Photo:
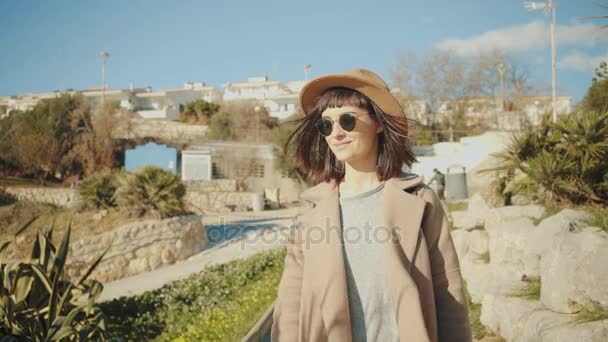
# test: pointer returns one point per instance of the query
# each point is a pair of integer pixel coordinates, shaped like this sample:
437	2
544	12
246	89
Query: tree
198	111
596	98
95	147
284	154
37	154
442	76
62	136
600	16
220	127
243	123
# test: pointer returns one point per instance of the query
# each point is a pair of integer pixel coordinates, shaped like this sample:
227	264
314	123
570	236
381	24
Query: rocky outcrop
573	270
517	319
138	247
501	250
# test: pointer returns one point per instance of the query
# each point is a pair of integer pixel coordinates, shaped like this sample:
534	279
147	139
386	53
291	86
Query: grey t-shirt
371	307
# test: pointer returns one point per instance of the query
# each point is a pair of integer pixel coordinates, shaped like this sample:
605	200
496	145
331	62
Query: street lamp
257	110
501	68
104	56
307	71
548	6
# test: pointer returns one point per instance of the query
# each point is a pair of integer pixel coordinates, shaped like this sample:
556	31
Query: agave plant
37	303
152	188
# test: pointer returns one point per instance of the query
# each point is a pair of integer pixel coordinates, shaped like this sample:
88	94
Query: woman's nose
337	130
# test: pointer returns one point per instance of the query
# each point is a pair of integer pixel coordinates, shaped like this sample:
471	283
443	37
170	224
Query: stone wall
138	247
214	185
167	130
502	250
198	202
63	197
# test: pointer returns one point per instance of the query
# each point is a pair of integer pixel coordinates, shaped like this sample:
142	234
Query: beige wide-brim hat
361	80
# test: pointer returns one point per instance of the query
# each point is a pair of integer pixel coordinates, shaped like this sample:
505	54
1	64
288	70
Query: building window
216	171
251	168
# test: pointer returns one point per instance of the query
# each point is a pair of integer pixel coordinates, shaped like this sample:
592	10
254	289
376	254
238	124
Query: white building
251	162
165	104
122	96
3	106
512	114
26	101
162	104
280	99
535	107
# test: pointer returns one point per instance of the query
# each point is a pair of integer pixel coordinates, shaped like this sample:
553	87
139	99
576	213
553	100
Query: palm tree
599	16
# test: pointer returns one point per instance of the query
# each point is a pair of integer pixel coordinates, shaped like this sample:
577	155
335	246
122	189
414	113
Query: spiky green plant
585	141
152	188
568	158
99	189
37	303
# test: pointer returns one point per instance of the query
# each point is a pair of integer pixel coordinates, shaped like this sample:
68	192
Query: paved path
236	235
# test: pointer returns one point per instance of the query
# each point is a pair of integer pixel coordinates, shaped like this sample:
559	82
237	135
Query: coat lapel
326	249
402	212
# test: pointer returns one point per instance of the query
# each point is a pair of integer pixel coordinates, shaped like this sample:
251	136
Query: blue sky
54	45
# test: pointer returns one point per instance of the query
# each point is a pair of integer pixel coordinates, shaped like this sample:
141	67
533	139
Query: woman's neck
358	180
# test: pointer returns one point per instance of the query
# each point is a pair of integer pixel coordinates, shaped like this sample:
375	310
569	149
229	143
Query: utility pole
307	71
104	56
257	110
553	70
501	68
549	6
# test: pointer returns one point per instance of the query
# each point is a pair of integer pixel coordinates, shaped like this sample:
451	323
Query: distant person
439	180
352	271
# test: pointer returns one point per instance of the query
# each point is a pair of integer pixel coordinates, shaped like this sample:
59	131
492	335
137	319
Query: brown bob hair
317	161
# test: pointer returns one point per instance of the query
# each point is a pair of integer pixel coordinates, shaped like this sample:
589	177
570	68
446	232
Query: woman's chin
344	157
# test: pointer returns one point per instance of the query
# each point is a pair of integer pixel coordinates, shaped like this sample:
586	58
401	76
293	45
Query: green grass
550	210
477	329
485	257
595	313
599	214
458	206
27	182
531	291
599	217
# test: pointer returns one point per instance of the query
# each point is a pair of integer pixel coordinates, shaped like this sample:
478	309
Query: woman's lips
343	144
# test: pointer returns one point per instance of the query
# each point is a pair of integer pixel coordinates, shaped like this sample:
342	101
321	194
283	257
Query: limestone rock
574	272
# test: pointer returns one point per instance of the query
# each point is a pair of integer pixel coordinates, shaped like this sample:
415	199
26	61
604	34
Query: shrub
222	302
220	127
99	189
152	188
36	301
568	159
6	197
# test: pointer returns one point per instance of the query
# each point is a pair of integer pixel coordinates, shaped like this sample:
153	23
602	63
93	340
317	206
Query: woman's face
360	144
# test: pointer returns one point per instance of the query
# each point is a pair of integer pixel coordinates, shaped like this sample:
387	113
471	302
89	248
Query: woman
370	257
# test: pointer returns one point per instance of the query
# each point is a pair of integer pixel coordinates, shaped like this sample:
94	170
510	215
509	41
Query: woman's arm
451	306
287	305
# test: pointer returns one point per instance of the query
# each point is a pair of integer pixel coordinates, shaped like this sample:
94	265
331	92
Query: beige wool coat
421	265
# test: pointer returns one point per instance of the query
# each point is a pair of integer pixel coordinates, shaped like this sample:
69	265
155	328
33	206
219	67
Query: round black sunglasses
347	121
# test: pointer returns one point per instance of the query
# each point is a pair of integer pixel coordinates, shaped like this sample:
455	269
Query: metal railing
261	330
